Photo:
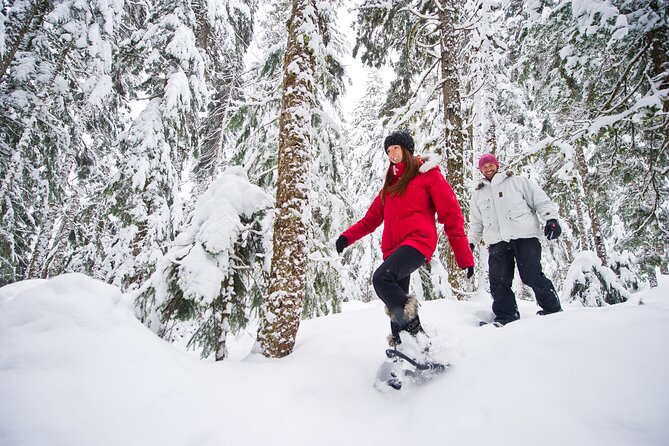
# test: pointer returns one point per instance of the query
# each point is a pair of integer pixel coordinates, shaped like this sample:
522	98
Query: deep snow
77	368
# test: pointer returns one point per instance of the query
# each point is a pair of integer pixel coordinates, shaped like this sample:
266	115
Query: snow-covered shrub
205	284
592	283
621	264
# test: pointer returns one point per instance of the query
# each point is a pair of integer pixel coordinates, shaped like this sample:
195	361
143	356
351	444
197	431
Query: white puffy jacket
507	208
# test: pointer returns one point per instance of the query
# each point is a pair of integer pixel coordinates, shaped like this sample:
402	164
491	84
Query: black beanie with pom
400	138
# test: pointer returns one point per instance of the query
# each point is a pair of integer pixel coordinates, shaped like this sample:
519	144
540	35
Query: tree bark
454	132
283	307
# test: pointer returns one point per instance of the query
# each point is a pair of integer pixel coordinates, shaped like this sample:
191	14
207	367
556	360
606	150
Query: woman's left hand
341	243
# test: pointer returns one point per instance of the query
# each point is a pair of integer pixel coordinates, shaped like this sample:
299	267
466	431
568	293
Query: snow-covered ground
76	368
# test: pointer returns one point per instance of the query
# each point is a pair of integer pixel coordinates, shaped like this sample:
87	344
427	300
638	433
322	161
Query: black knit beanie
400	138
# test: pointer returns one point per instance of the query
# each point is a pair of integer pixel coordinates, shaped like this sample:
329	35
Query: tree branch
624	75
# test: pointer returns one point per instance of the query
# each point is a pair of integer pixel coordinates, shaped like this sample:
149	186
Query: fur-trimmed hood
430	161
509	173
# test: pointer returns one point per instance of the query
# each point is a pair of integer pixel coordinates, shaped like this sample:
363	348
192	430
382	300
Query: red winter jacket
409	219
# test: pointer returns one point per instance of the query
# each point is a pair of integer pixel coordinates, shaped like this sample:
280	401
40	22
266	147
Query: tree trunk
491	138
582	232
37	268
223	327
283	307
453	133
590	205
659	49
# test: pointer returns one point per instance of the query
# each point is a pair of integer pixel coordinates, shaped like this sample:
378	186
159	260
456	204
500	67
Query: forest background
196	154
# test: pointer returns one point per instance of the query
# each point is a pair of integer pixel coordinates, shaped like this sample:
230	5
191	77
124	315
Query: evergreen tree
56	106
210	279
168	80
328	171
366	166
224	33
595	72
253	129
593	284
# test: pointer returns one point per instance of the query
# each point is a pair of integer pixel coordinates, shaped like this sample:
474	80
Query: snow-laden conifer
591	283
366	163
207	283
224	32
169	86
597	73
56	107
311	73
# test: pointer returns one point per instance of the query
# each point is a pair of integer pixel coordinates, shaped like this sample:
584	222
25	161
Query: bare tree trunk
454	133
287	283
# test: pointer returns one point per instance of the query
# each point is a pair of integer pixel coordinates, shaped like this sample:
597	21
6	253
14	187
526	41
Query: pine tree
592	284
224	34
253	129
328	171
252	126
367	164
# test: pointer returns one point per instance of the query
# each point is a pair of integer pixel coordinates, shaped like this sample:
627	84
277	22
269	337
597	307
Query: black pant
527	253
391	279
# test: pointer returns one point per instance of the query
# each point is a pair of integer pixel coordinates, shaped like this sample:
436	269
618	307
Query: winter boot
407	334
394	338
544	312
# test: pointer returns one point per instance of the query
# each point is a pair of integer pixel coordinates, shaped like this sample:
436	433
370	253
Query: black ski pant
502	258
391	279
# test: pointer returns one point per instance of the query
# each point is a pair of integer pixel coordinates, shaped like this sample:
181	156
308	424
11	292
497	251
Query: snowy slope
76	368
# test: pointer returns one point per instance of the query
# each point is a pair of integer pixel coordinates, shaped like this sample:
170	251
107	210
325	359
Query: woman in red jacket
413	192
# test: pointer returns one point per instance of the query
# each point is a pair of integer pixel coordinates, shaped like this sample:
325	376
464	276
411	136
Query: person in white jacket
505	213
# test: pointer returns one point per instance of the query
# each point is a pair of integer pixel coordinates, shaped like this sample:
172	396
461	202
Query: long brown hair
409	173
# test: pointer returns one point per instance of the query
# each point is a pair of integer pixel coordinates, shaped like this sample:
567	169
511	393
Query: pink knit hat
488	158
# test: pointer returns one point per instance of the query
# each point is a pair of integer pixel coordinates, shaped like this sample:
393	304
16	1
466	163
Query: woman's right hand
341	243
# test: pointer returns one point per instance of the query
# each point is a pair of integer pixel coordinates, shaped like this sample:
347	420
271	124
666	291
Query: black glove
471	247
552	229
470	271
341	243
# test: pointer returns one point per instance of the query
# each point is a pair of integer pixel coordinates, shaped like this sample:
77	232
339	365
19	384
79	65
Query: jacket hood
479	186
430	161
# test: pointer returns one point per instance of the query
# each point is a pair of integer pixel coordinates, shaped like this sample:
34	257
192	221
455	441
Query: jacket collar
426	162
498	178
398	169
